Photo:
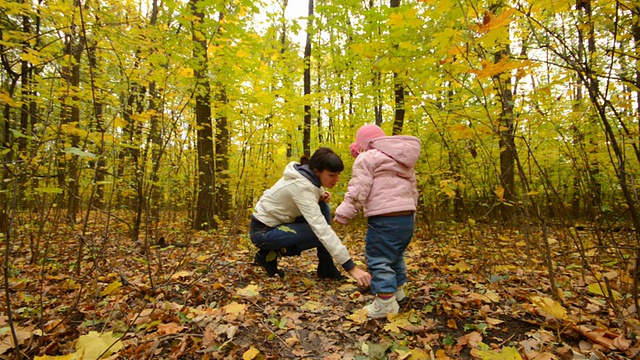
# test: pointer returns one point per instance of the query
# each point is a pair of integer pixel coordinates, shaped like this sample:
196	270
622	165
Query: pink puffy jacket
383	179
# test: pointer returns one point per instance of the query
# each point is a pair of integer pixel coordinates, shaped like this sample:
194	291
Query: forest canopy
122	105
136	114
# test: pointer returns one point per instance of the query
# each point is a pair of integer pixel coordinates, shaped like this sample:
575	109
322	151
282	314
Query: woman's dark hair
324	159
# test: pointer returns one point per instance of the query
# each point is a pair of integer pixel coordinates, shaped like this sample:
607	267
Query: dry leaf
170	328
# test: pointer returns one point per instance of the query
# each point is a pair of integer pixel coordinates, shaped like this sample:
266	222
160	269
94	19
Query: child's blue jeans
386	242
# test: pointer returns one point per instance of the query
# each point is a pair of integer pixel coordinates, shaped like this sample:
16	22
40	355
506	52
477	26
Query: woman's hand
362	277
326	197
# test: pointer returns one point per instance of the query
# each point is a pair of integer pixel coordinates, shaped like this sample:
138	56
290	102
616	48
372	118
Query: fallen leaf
235	309
506	353
111	288
492	321
180	274
249	291
397	322
461	266
492	296
170	328
472	339
312	306
22	334
359	316
601	289
92	345
598	336
250	354
550	307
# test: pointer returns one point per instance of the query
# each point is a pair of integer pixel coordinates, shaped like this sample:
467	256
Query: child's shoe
380	308
400	294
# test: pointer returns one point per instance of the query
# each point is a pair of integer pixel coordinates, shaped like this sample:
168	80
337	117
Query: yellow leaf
419	354
312	306
358	317
395	20
92	345
492	296
250	354
506	353
601	289
346	288
249	291
461	266
61	357
4	97
398	322
235	309
111	288
550	307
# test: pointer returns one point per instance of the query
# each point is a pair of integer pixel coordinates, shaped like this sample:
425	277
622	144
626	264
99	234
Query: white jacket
295	195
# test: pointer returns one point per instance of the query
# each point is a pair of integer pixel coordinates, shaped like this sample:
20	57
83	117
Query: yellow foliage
250	354
506	353
550	307
111	288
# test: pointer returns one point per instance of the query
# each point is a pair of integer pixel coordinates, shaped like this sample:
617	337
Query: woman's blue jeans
291	239
386	242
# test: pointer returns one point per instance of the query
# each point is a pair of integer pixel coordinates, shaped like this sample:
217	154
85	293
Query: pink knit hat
365	134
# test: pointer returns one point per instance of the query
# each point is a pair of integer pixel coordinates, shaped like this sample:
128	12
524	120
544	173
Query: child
294	215
383	184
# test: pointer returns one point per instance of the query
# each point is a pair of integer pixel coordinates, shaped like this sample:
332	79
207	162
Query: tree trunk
223	198
205	207
587	57
306	132
69	169
99	165
398	91
155	134
506	143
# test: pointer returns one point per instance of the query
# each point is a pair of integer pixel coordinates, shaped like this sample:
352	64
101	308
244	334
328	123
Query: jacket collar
307	172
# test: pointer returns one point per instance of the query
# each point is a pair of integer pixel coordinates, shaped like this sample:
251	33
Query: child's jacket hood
401	148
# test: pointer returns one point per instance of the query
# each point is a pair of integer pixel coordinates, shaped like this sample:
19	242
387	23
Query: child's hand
326	197
340	220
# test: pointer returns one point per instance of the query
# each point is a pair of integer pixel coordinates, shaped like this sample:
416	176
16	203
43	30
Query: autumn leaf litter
467	299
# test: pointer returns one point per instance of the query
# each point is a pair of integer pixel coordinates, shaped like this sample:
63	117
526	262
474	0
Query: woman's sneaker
271	267
380	308
329	271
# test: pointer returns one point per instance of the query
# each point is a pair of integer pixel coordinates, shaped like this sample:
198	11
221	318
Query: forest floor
473	292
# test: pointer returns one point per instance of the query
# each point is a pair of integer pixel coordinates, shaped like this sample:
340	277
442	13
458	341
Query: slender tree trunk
69	170
398	91
156	139
135	105
507	133
100	164
26	72
223	197
306	137
205	207
587	56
